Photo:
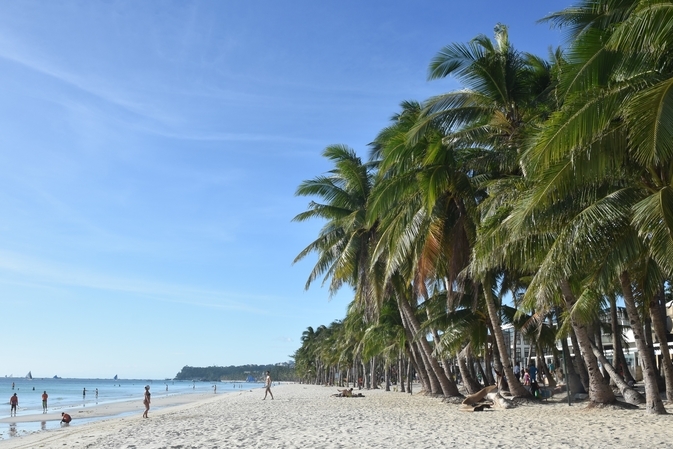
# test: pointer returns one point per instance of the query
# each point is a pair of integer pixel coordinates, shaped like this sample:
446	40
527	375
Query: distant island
252	373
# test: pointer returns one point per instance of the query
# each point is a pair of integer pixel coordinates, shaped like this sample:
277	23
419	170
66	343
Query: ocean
65	394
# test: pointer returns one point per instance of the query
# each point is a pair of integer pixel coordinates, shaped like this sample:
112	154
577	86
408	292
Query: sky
149	158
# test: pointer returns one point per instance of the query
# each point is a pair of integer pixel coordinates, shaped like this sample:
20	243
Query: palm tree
610	144
344	243
507	92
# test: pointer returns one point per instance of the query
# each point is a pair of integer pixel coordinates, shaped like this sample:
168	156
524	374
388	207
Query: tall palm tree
344	243
611	143
506	94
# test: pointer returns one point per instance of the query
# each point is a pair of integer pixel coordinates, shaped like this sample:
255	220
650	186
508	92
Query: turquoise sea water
66	394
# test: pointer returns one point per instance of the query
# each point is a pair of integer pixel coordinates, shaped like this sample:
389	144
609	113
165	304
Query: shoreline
110	409
308	416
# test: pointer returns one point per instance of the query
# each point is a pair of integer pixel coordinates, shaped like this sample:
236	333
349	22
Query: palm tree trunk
660	330
515	386
653	400
514	354
630	395
482	374
580	367
573	382
471	385
545	369
598	338
599	391
650	346
374	376
400	373
428	379
410	377
386	379
618	357
488	366
449	389
445	365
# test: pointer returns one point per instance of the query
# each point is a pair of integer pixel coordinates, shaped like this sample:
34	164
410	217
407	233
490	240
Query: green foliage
241	373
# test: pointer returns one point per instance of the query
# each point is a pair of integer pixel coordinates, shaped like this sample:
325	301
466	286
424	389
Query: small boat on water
29	375
114	378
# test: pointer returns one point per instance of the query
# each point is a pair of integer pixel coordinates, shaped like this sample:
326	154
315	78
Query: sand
306	416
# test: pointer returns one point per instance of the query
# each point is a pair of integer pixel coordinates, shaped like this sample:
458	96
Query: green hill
279	372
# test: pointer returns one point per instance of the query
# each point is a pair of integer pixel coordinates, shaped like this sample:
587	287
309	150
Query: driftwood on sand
476	402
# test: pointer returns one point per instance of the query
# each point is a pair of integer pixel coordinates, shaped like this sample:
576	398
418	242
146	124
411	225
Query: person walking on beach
146	400
13	404
532	370
44	402
267	383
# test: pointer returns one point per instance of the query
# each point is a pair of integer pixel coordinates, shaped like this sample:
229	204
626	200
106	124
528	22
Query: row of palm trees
547	181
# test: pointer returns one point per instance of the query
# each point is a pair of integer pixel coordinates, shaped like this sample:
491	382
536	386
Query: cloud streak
50	274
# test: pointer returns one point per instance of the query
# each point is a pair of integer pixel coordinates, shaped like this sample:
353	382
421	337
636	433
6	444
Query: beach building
521	349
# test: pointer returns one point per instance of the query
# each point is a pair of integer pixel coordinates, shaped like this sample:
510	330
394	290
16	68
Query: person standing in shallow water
146	400
13	404
267	383
44	402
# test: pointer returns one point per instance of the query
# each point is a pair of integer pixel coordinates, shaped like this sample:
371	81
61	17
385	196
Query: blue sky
149	156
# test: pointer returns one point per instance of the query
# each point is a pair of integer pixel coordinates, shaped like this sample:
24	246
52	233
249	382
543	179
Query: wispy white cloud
89	85
51	274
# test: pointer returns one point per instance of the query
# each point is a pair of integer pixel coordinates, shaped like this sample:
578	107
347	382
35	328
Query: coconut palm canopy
529	199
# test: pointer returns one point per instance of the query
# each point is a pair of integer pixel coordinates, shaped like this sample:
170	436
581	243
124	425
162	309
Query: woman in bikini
146	401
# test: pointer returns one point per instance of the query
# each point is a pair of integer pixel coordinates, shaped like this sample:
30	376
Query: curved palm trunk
419	366
599	391
630	395
428	380
617	349
660	331
482	373
445	363
653	401
572	381
515	386
650	352
449	389
471	385
580	367
598	339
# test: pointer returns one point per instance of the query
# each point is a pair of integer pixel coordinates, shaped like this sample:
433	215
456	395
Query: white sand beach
306	416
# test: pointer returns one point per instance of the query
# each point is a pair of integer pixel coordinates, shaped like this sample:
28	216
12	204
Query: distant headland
279	372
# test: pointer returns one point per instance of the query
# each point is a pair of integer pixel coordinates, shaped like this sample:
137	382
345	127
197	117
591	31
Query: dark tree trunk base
617	405
454	400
